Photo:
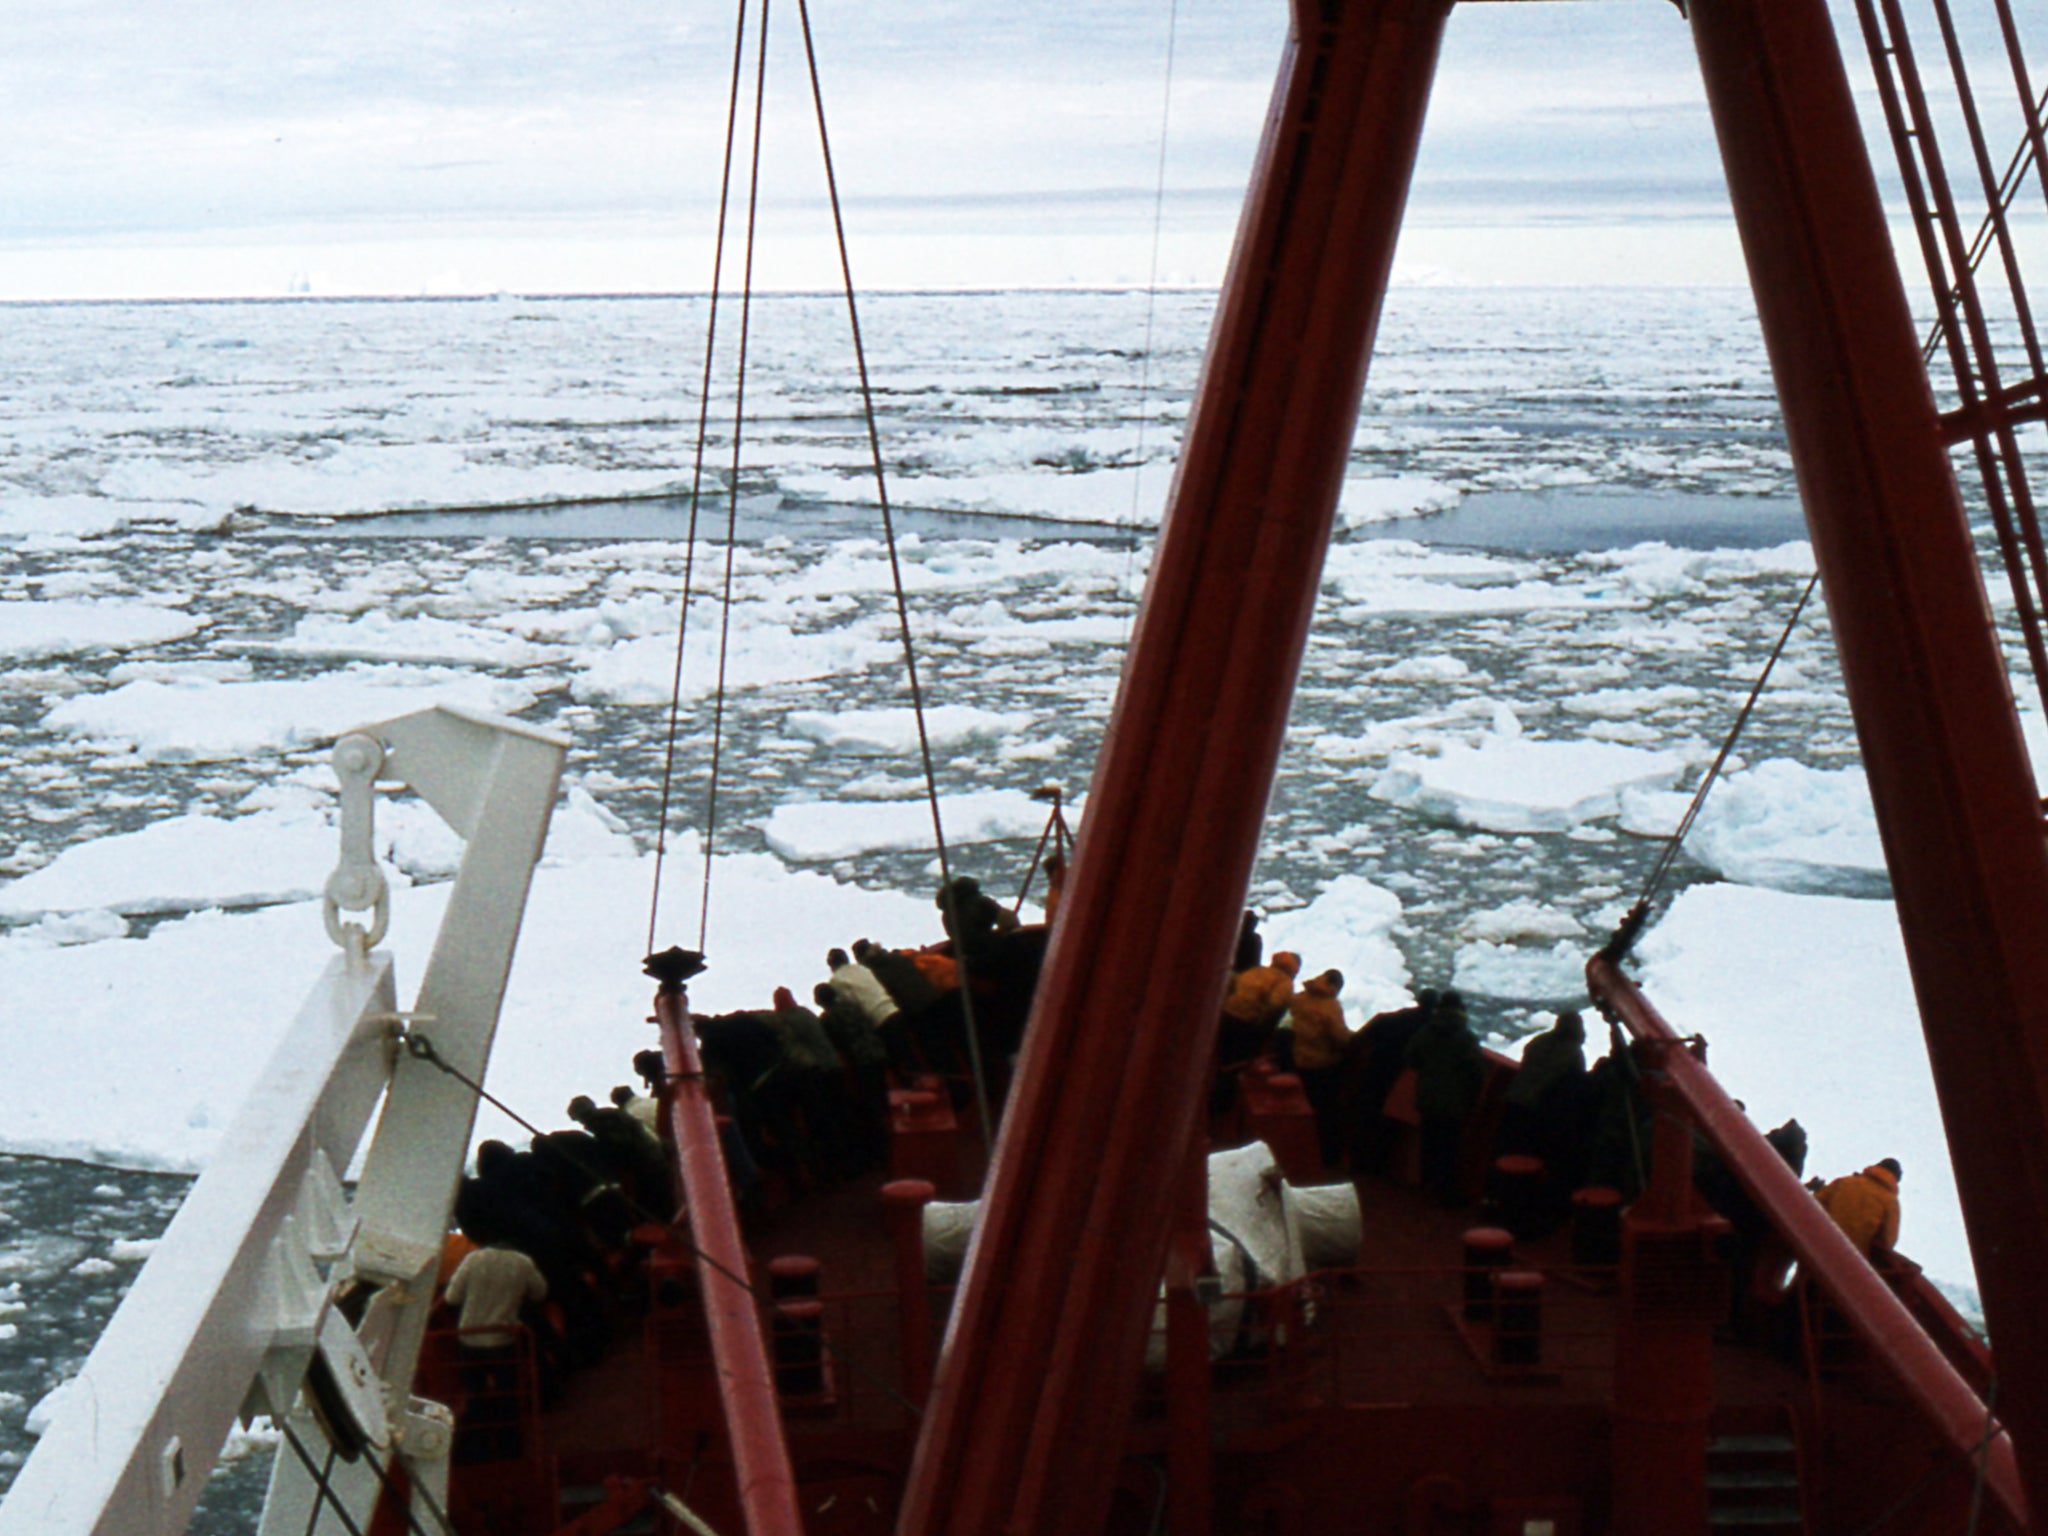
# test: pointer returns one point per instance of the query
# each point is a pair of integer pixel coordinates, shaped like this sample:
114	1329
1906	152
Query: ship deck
1394	1377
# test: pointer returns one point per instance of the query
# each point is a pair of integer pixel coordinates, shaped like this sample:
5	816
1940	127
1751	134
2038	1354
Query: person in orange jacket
1253	1005
1316	1021
1866	1206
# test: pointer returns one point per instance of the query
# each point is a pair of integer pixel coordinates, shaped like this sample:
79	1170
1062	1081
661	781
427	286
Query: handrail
1879	1317
767	1488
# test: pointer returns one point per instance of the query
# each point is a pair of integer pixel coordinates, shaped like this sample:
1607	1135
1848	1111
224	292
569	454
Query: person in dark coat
627	1151
741	1051
910	989
814	1077
1251	944
1448	1074
1381	1051
867	1062
514	1199
1550	1063
972	920
1757	1257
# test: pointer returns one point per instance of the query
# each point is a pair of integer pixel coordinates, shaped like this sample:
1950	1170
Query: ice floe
1510	782
379	636
1777	823
190	719
816	832
192	862
894	732
30	628
1349	927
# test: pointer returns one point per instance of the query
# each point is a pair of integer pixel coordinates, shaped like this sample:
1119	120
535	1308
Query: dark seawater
1562	522
1545	522
65	1264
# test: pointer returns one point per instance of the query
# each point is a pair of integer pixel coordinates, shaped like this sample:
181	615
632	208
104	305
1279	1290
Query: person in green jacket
1448	1074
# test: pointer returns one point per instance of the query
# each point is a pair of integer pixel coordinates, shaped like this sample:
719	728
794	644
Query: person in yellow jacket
1316	1021
1253	1006
1866	1206
1259	994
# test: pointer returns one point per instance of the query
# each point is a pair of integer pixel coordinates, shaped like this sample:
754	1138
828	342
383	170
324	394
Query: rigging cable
402	1497
675	699
1631	926
323	1487
732	503
1152	278
924	742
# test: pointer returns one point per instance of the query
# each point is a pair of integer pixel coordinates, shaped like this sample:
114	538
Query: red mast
1927	684
1035	1387
1027	1419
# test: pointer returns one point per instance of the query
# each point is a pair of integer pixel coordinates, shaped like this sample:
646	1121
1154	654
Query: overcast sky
215	147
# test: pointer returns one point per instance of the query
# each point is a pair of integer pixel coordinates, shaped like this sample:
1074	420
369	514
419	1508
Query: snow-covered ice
64	626
894	732
1511	782
188	720
1777	823
819	831
1816	1021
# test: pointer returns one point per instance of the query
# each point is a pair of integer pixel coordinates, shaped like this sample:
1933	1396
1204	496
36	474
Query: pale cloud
210	147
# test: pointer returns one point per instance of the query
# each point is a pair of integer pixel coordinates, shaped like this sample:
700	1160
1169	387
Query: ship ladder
1753	1486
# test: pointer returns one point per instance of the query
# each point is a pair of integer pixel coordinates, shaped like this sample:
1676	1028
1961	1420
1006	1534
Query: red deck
1361	1399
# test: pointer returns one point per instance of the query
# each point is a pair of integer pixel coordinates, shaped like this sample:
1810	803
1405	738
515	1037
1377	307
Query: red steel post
1040	1368
906	1200
767	1488
1190	1408
1664	1354
1929	689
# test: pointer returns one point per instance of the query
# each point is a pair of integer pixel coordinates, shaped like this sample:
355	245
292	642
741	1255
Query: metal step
1756	1518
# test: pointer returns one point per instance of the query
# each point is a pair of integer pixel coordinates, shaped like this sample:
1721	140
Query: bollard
1596	1225
792	1275
800	1347
905	1200
1487	1249
1518	1317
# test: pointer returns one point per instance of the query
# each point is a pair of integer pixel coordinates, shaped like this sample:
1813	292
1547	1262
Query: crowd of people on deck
1585	1124
546	1233
1575	1117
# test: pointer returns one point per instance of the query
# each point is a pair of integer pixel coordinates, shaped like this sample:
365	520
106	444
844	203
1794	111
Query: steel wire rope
732	503
323	1487
389	1485
675	700
1631	926
422	1047
1152	289
1992	1430
1983	1458
320	1478
949	903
